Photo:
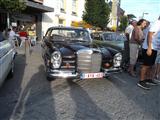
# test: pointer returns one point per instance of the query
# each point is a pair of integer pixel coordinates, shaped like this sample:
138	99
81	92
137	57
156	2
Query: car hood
71	49
117	43
68	49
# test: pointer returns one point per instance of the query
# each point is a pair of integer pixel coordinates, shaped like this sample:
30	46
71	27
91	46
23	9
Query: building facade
116	13
65	12
31	17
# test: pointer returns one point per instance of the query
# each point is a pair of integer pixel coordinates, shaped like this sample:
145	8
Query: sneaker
150	82
143	85
157	80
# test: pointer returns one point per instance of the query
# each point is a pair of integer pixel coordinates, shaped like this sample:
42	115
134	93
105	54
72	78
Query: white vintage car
7	55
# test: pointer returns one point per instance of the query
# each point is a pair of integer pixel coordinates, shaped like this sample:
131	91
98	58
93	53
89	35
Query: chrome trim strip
63	74
112	70
65	61
6	55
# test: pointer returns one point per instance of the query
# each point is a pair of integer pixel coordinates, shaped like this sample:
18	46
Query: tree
131	16
97	13
123	23
13	5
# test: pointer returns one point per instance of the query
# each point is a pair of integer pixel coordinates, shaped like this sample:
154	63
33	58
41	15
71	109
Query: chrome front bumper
112	70
62	74
73	74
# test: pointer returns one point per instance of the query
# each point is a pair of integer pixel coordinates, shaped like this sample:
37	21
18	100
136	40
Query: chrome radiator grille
89	60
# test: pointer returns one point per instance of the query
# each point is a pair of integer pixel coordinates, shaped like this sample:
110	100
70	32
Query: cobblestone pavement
29	96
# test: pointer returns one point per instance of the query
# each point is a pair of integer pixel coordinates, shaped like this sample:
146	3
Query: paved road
29	96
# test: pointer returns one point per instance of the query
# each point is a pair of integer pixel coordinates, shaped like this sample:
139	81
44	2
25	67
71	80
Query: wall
52	18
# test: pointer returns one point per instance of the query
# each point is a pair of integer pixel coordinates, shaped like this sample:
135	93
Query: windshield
114	37
67	34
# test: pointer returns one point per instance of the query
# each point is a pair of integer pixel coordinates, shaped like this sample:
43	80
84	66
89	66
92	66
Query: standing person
24	39
12	35
128	33
157	67
149	53
145	30
135	43
129	29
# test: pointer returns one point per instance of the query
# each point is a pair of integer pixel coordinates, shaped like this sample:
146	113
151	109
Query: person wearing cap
149	54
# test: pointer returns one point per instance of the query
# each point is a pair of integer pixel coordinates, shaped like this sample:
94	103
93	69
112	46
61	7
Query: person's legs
134	49
158	70
22	41
142	82
151	72
27	47
157	73
143	72
147	70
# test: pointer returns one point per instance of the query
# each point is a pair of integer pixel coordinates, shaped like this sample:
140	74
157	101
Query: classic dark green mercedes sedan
69	52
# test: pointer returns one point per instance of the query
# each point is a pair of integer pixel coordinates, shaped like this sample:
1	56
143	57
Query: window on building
62	8
74	7
61	22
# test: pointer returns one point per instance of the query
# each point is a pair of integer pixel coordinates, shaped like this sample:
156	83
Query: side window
101	38
108	37
95	36
1	37
48	33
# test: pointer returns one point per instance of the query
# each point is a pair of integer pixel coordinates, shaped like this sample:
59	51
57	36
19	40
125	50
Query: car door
5	59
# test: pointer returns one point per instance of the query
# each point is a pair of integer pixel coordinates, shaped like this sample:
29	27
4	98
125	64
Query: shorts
149	60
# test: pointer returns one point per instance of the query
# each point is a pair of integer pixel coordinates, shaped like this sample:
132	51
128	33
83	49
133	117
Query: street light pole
144	13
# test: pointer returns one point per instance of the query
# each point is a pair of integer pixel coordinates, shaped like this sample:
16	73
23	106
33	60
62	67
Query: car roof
63	27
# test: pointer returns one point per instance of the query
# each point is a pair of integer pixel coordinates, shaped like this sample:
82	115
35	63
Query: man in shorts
149	53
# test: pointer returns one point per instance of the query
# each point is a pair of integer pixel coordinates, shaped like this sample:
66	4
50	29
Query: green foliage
97	13
123	23
13	5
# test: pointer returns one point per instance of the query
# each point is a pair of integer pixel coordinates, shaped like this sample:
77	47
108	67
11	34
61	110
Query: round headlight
56	59
117	60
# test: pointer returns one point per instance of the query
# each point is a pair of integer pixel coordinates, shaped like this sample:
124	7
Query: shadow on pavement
147	101
10	90
86	109
36	100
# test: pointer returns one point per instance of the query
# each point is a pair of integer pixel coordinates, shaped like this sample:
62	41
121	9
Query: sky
149	8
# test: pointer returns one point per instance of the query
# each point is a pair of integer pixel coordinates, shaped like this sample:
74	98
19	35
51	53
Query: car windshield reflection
113	37
70	35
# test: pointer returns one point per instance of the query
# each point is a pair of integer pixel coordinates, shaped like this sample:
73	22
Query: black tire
11	72
50	78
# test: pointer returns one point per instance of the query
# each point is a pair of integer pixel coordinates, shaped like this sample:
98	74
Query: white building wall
113	15
52	18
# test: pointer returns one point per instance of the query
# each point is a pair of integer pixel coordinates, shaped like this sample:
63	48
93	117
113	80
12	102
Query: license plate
92	75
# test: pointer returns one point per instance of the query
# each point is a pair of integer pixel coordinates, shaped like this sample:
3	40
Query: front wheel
50	78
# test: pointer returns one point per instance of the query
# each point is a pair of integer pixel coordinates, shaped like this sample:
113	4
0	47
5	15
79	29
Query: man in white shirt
149	53
12	35
129	29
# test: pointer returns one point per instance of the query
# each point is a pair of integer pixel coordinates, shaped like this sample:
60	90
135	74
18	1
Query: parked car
111	39
7	55
69	52
117	41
